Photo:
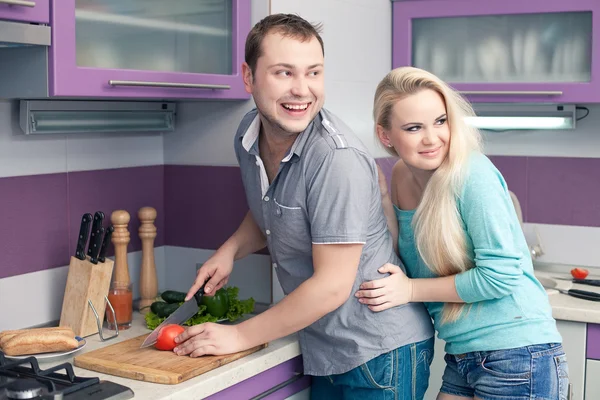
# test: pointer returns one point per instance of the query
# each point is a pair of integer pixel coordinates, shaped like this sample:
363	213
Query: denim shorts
531	372
401	374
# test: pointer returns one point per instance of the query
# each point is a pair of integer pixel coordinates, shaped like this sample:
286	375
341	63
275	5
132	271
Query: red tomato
166	336
579	273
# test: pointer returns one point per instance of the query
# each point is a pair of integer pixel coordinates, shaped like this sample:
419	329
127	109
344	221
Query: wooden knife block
85	281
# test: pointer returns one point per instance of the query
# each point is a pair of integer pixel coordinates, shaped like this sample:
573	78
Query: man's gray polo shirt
326	191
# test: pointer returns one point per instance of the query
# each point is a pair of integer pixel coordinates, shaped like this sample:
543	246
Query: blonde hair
437	224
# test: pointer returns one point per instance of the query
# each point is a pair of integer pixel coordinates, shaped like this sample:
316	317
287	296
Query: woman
463	249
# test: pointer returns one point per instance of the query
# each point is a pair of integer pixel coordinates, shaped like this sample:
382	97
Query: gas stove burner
24	389
26	380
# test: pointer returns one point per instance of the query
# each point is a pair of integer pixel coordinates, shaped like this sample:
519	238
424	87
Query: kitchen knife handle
95	246
84	232
591	282
105	243
98	218
199	294
583	294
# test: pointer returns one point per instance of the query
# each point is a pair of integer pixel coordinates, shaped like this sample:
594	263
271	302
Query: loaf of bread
37	340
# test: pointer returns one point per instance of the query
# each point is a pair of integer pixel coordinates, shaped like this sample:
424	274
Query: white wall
22	154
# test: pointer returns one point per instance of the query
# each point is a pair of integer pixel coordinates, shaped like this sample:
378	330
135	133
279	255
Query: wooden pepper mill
120	238
148	280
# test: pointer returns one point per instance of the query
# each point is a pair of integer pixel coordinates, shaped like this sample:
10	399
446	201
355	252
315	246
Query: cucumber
173	296
162	309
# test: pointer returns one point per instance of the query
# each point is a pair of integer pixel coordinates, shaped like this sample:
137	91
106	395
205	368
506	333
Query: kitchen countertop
564	307
569	308
277	352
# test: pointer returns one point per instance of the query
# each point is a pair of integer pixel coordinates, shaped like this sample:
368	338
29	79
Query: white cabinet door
592	381
437	370
303	395
574	338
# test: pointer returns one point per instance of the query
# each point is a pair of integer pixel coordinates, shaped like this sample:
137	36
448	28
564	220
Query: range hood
19	34
39	117
507	117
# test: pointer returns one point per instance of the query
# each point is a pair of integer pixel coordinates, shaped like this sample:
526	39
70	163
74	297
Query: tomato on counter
167	335
579	273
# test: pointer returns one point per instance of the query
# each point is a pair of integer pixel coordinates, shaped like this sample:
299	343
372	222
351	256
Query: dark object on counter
84	231
105	243
591	282
580	294
217	305
23	378
162	309
96	237
173	296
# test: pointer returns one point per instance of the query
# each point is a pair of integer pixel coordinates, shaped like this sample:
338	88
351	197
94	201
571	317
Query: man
315	202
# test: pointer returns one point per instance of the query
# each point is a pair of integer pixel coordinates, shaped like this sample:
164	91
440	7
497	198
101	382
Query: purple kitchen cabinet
277	383
25	10
593	341
504	50
148	49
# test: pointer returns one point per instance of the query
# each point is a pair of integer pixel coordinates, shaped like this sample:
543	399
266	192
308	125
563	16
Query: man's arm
330	286
247	239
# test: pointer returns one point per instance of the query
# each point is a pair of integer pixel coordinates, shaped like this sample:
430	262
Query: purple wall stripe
41	213
108	190
564	191
34	234
593	341
514	170
266	380
204	205
201	206
551	190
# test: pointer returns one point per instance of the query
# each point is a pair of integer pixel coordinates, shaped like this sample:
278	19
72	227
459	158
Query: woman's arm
490	221
388	208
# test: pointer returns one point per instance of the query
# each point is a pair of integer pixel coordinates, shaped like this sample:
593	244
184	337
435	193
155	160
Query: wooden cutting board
126	359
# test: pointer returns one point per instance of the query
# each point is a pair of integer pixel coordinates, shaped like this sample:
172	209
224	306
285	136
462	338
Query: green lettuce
237	309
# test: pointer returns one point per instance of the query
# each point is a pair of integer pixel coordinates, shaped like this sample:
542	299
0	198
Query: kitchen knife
96	237
591	282
580	294
186	311
105	244
97	245
84	231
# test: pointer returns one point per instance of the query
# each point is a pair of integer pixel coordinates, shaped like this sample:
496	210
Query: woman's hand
391	291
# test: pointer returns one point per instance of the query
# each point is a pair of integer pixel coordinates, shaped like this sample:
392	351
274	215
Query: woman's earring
389	145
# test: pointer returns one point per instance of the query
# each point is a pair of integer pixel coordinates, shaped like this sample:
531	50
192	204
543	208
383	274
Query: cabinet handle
570	393
168	84
18	3
514	92
278	387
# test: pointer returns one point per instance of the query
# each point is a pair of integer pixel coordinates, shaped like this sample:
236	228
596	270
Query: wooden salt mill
120	238
148	280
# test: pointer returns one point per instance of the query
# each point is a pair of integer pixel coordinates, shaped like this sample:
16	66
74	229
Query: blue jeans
401	374
530	372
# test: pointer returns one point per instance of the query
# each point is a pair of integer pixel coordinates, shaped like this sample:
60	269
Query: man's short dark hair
288	25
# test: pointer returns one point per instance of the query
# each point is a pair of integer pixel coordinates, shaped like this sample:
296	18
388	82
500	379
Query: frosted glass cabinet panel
545	47
148	49
509	51
156	35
